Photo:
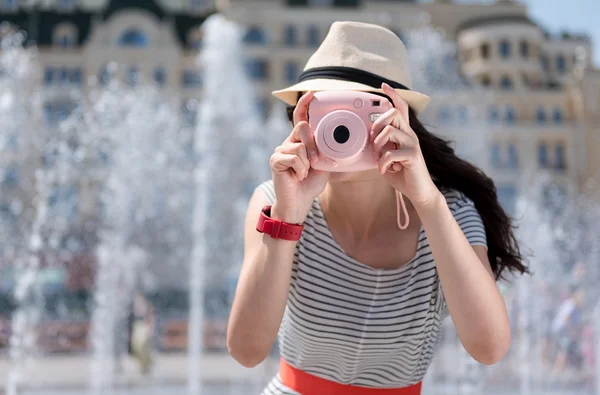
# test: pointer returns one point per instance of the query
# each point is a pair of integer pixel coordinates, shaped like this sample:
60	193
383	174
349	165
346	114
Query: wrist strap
278	229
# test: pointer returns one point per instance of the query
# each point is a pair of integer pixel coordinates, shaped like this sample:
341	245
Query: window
132	76
63	75
55	112
49	75
65	35
257	69
543	155
493	114
76	76
559	157
66	41
540	115
486	80
255	36
291	72
513	157
313	38
160	76
505	48
485	50
191	78
10	177
524	47
198	5
134	38
104	75
557	116
289	36
495	156
65	5
444	114
561	64
511	115
506	82
9	5
507	196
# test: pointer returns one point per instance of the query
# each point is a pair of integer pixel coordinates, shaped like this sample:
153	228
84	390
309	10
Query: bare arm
474	301
264	281
262	289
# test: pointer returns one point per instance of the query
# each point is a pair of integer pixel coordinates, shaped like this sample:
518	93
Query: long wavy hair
448	171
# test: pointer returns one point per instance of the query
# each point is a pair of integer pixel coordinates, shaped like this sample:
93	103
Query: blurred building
531	98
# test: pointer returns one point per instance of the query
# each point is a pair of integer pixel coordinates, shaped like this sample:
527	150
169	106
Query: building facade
529	103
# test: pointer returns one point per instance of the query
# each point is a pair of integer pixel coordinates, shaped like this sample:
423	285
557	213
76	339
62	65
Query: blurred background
132	133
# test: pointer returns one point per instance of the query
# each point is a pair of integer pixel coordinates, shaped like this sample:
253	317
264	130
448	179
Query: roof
496	20
39	24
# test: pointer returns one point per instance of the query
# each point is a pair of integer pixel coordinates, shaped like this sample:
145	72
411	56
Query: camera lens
341	134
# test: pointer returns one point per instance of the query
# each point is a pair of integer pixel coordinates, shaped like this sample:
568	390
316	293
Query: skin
370	235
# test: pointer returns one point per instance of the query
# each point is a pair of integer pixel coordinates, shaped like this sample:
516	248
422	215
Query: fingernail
313	156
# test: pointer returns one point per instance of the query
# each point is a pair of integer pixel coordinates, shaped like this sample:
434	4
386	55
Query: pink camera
341	122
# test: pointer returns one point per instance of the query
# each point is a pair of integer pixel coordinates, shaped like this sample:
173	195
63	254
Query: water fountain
20	110
143	133
230	149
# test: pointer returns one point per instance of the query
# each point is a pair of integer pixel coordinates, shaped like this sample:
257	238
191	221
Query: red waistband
307	384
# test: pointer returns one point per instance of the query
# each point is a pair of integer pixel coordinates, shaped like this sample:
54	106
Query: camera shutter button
358	103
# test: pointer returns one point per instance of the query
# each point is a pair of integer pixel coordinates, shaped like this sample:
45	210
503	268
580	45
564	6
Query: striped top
353	324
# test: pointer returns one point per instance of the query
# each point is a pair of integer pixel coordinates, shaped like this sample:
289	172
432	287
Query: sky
577	16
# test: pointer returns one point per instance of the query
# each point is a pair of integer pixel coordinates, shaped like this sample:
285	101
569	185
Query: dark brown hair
448	171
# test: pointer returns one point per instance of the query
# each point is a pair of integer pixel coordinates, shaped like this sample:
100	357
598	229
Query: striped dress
353	324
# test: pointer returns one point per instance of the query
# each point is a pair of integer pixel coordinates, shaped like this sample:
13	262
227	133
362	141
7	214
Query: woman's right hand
296	183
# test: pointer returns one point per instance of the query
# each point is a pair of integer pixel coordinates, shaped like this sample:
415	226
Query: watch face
267	211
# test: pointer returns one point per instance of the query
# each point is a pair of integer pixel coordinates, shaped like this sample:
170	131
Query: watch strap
278	229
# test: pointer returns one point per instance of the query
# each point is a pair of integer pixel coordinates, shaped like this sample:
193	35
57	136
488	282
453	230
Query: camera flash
373	117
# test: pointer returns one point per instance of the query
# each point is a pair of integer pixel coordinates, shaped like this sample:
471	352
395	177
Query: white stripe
353	324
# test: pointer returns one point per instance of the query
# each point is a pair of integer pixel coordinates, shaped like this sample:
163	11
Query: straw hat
357	56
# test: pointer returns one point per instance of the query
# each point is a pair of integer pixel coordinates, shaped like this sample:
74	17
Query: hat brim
417	101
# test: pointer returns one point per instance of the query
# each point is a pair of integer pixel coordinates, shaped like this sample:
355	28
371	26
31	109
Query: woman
358	301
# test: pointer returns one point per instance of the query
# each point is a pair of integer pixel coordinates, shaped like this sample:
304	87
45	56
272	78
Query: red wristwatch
278	229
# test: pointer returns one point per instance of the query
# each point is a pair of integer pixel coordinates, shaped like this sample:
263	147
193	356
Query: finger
295	135
384	120
391	158
390	134
298	149
302	133
281	162
391	117
301	110
399	103
307	137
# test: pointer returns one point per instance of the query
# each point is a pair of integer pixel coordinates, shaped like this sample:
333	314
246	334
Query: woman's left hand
403	165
